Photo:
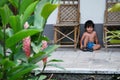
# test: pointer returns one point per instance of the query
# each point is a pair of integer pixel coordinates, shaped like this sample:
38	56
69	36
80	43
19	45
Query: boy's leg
86	41
96	47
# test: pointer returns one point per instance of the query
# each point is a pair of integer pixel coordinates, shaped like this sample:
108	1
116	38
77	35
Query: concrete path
103	61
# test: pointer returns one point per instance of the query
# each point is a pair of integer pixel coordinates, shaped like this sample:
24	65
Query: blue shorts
89	44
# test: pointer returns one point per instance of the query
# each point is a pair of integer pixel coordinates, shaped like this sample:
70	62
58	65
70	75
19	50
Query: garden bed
83	76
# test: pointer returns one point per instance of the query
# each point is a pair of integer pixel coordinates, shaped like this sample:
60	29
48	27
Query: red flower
26	46
27	42
44	45
26	25
44	60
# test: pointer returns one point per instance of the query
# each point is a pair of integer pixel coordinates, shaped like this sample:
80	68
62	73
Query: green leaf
114	41
19	36
19	71
54	1
15	23
48	9
9	32
5	12
115	8
2	2
55	60
44	38
29	10
1	50
24	4
1	34
1	75
36	48
15	3
38	57
20	55
55	65
42	77
39	21
50	49
7	63
31	19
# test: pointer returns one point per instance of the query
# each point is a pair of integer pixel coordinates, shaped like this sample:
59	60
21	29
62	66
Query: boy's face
89	29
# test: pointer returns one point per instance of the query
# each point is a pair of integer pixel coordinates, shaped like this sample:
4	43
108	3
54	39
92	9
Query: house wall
89	10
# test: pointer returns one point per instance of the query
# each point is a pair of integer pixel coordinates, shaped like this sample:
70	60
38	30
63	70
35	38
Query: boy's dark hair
88	24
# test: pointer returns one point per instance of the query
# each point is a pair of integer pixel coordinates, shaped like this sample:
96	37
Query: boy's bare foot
91	50
84	49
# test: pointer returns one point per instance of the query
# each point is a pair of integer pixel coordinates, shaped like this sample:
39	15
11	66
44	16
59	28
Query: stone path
103	61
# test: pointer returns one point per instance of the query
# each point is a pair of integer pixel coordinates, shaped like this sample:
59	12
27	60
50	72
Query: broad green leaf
1	74
38	57
15	3
1	57
39	21
44	38
36	48
2	2
55	60
42	77
20	55
5	12
115	8
20	35
24	4
55	65
114	41
48	9
28	11
18	73
1	51
54	1
109	37
9	32
15	23
50	49
7	63
1	33
31	19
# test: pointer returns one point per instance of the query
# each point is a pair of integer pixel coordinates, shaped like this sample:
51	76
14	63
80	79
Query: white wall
89	9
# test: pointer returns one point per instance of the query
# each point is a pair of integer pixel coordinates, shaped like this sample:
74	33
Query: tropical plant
21	38
114	35
115	8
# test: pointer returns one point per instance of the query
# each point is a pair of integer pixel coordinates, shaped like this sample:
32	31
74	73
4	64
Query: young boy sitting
89	40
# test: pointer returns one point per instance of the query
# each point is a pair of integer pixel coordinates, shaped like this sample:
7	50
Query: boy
89	40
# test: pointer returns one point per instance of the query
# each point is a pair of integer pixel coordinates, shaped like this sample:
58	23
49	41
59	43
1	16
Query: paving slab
103	61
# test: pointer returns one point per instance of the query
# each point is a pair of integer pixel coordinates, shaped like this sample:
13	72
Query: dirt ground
83	77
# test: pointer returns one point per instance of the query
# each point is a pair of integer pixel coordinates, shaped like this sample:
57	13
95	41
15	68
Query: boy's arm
82	40
96	39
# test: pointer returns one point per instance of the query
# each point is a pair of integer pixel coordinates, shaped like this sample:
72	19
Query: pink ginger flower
26	25
44	45
27	42
44	60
